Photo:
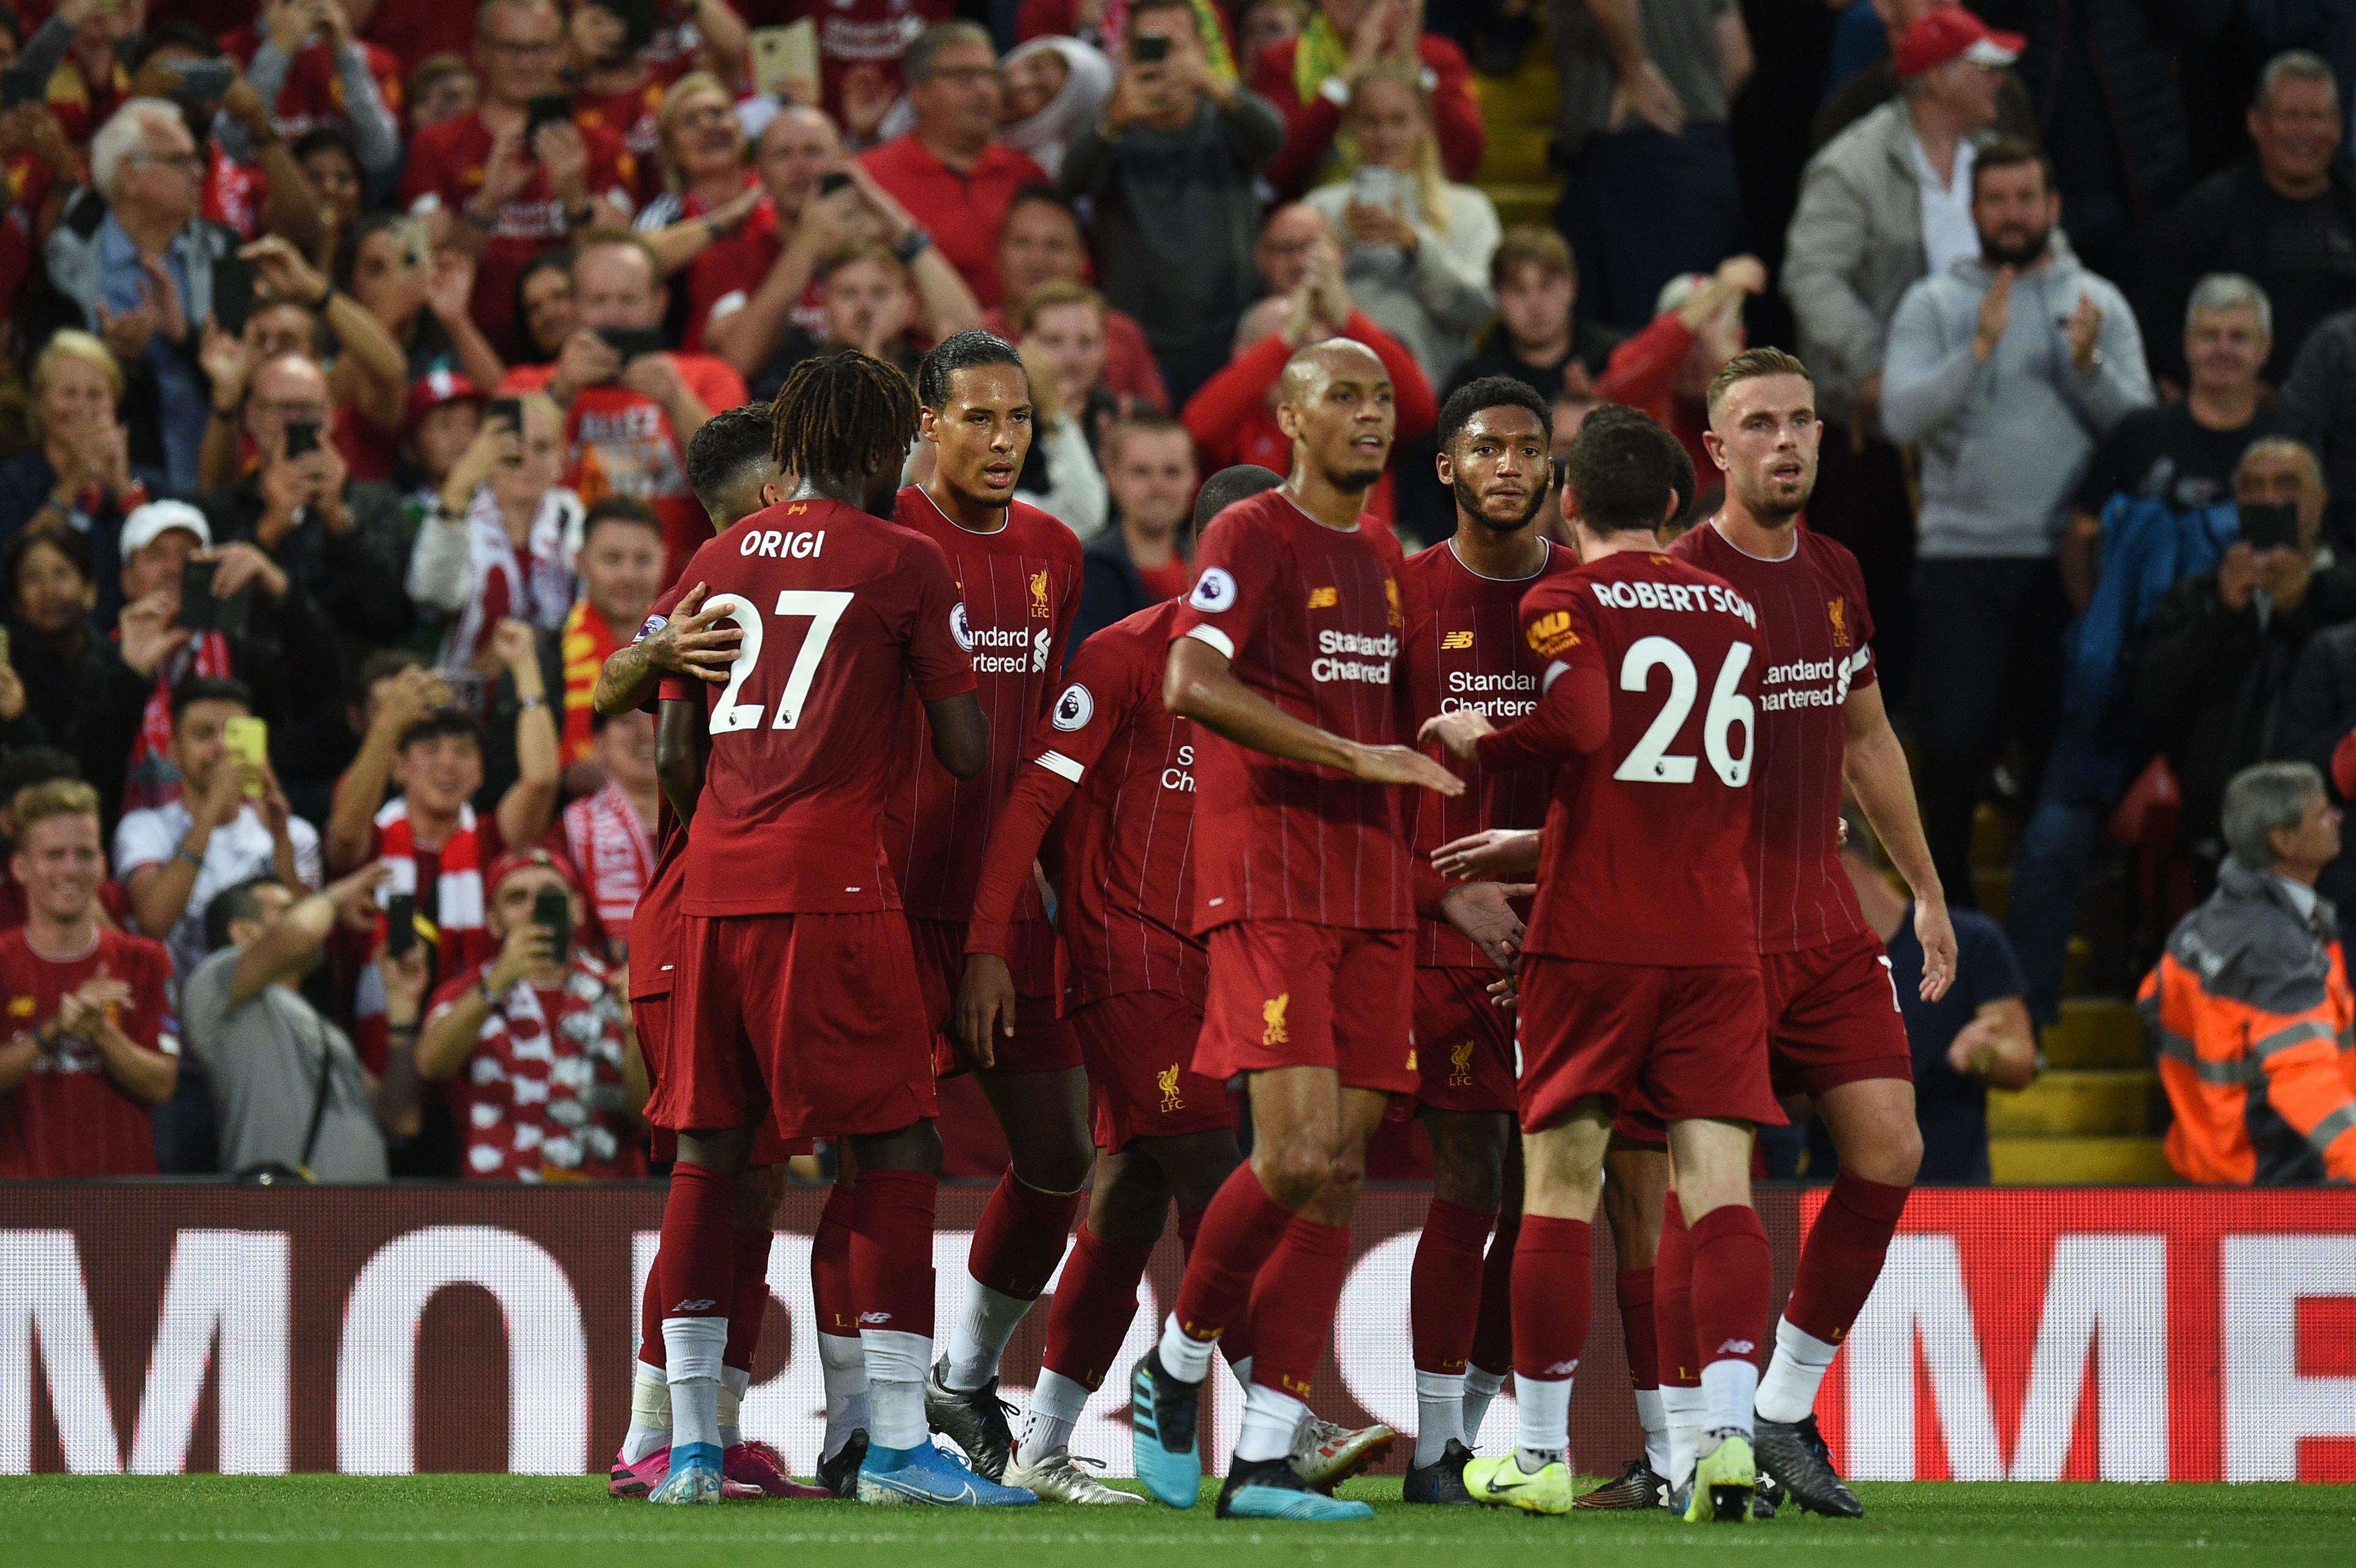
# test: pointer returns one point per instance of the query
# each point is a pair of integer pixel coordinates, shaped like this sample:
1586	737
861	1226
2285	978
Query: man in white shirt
230	823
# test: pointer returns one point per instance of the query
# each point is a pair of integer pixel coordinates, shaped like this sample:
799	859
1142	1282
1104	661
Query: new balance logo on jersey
1455	642
1272	1018
1040	608
1324	598
687	1307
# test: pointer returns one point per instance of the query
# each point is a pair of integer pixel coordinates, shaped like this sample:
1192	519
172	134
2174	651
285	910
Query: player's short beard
1760	505
1469	505
1354	481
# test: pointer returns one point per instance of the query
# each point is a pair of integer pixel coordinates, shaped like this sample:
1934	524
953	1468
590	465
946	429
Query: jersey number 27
1650	761
824	607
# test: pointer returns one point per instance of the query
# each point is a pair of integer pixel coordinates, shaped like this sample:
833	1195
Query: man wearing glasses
502	190
141	262
950	171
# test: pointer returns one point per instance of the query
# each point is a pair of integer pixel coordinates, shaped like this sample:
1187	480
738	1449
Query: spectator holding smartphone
230	822
503	187
500	544
630	406
300	56
536	1041
80	475
289	1091
93	1052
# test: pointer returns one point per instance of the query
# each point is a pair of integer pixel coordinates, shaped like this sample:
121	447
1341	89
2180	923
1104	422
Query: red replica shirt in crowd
633	118
446	164
1124	880
68	1118
415	30
964	211
723	277
869	34
1021	587
1309	618
1816	646
1657	661
313	93
620	443
1464	649
654	923
841	614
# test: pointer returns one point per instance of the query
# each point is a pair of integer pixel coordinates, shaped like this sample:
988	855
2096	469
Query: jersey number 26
1650	761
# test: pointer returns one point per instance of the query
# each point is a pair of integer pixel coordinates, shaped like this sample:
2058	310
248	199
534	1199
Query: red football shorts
651	1018
1139	1047
1463	1045
1285	993
1689	1042
1832	1017
1041	1043
812	1017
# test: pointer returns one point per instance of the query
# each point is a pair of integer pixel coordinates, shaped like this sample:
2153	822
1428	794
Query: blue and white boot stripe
1174	1479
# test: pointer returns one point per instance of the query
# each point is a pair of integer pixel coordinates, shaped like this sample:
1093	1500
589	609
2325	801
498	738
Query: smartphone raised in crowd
831	181
302	437
511	410
1149	49
400	925
247	740
552	908
546	108
203	81
2272	525
630	342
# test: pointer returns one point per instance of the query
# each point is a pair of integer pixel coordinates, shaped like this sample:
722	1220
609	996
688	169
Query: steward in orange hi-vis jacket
2251	1013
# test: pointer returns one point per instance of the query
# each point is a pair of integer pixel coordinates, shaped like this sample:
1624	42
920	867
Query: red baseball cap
1947	33
433	389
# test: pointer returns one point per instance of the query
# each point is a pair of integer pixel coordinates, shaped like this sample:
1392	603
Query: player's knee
1895	1157
1059	1168
762	1190
1292	1169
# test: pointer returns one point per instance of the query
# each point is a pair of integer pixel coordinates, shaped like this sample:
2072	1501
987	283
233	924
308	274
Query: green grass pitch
453	1522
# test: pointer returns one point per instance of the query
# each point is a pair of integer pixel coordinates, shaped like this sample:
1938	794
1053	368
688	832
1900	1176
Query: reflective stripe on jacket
2250	1014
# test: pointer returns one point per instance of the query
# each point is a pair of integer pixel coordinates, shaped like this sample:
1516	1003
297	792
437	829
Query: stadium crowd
353	352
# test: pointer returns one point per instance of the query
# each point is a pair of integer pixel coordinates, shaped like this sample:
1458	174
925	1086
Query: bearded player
1462	651
1018	571
1283	658
796	986
1639	976
729	465
1835	1033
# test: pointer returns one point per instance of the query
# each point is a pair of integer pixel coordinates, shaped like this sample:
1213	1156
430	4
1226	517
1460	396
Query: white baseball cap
151	522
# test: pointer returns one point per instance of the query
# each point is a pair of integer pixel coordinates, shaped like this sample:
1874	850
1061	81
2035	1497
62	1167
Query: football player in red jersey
729	462
1640	971
1835	1033
1463	649
1018	571
795	991
1284	657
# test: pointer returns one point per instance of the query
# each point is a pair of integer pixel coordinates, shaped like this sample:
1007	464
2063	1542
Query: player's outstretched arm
1494	854
960	734
1197	684
1874	767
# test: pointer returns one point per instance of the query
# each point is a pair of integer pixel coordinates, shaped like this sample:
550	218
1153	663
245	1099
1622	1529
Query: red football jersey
1309	618
68	1118
1642	857
726	275
1021	587
654	923
1122	856
841	613
445	168
1465	650
634	117
313	93
1816	646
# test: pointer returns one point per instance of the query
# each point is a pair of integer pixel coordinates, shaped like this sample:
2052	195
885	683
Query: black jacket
2302	253
354	576
1111	588
2318	708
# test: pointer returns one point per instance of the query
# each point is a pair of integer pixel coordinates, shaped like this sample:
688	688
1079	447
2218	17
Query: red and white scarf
610	848
153	778
458	889
542	1098
535	586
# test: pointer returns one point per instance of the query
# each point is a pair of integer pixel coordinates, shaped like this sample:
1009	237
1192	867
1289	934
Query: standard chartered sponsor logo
1375	668
1181	777
1029	653
1507	696
1807	683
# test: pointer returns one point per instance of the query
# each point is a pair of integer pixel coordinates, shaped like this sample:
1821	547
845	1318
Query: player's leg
696	1262
1871	1122
1554	1293
1636	1187
1444	1290
1491	1359
753	1468
1733	1275
1094	1304
842	1363
1678	1361
1015	1252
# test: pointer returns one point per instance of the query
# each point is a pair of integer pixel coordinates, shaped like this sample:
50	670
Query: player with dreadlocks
796	986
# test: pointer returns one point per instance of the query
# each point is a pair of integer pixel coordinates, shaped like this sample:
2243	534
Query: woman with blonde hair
709	182
80	477
1419	244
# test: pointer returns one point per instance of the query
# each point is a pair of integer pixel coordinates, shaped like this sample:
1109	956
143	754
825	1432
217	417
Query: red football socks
1493	1333
1842	1256
1675	1362
1554	1295
1021	1237
1293	1302
891	1250
750	1303
650	1314
1444	1286
696	1267
1240	1229
838	1312
1093	1306
1733	1275
1633	1290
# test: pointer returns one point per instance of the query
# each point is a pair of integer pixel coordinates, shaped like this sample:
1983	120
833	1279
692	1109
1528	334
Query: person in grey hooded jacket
2003	372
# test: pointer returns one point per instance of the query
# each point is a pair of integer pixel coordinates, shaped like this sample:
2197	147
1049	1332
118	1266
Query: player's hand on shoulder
1456	731
985	1004
1402	766
1492	853
696	641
